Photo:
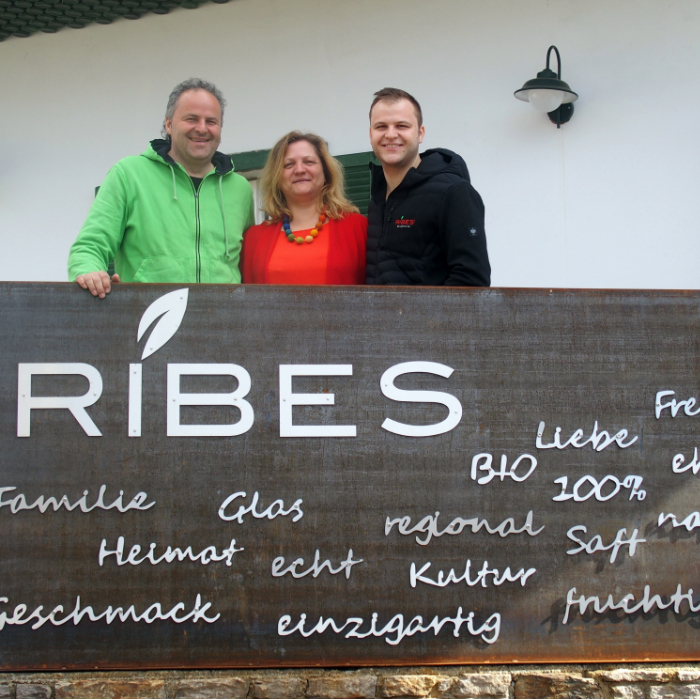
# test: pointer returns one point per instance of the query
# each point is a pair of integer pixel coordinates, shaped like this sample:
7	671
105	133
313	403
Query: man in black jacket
426	221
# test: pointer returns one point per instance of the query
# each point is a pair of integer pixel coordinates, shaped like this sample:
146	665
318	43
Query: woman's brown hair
332	197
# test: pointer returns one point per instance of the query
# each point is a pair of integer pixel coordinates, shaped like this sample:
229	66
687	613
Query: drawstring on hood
223	214
172	169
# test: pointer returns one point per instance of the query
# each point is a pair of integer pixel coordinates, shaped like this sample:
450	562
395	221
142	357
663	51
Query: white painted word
482	462
168	310
675	405
596	543
205	556
599	441
315	568
454	407
679	460
395	626
42	503
692	521
76	404
481	578
236	398
627	603
288	400
151	614
276	509
429	526
597	488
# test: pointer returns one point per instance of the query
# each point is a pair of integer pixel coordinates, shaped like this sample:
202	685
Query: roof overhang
22	18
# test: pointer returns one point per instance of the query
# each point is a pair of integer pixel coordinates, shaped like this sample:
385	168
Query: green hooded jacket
148	218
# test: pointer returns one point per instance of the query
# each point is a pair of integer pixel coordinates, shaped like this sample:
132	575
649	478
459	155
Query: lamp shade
545	101
546	92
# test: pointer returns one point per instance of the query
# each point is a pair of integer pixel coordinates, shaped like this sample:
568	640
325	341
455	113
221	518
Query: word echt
316	568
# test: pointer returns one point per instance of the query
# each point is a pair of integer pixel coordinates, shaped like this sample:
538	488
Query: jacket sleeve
103	230
462	226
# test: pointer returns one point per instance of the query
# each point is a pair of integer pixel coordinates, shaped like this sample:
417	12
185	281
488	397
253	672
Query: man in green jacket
176	213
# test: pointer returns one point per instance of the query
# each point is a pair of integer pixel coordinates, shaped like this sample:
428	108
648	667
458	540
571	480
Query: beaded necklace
286	229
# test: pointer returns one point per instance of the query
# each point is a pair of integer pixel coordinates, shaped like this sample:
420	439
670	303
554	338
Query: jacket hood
440	160
159	147
434	161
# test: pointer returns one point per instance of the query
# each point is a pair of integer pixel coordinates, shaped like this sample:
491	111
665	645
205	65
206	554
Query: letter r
76	404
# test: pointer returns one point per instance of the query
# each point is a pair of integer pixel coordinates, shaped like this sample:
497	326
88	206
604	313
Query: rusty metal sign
279	476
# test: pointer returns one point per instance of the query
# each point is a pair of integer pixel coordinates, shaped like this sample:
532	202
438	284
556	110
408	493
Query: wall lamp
549	94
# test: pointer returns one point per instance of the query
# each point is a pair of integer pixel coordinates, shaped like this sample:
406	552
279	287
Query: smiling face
195	131
302	173
395	134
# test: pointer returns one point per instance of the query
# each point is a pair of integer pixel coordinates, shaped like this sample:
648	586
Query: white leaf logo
172	308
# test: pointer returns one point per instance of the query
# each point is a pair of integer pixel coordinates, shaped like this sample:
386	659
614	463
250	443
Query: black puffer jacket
430	231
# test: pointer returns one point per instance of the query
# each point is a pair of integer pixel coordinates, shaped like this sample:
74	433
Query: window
357	178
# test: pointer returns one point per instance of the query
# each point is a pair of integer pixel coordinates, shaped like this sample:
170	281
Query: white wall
610	200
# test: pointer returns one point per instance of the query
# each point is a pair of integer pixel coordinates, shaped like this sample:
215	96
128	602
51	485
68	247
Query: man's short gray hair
191	84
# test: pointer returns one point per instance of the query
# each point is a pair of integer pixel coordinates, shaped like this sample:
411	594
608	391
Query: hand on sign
97	283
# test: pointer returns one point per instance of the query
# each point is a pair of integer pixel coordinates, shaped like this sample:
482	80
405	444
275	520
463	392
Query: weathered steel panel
577	360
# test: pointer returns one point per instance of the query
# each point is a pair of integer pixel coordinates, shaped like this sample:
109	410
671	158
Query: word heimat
26	402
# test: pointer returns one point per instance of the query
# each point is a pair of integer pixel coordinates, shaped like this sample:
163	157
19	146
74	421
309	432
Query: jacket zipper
197	232
198	237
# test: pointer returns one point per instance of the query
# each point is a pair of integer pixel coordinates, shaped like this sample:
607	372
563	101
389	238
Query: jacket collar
433	162
159	148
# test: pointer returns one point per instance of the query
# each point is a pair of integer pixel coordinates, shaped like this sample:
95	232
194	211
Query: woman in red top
314	235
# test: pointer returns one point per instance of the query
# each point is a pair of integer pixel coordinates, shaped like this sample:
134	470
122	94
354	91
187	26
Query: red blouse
344	257
291	263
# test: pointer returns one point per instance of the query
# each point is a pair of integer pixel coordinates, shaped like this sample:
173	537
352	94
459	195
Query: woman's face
302	173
